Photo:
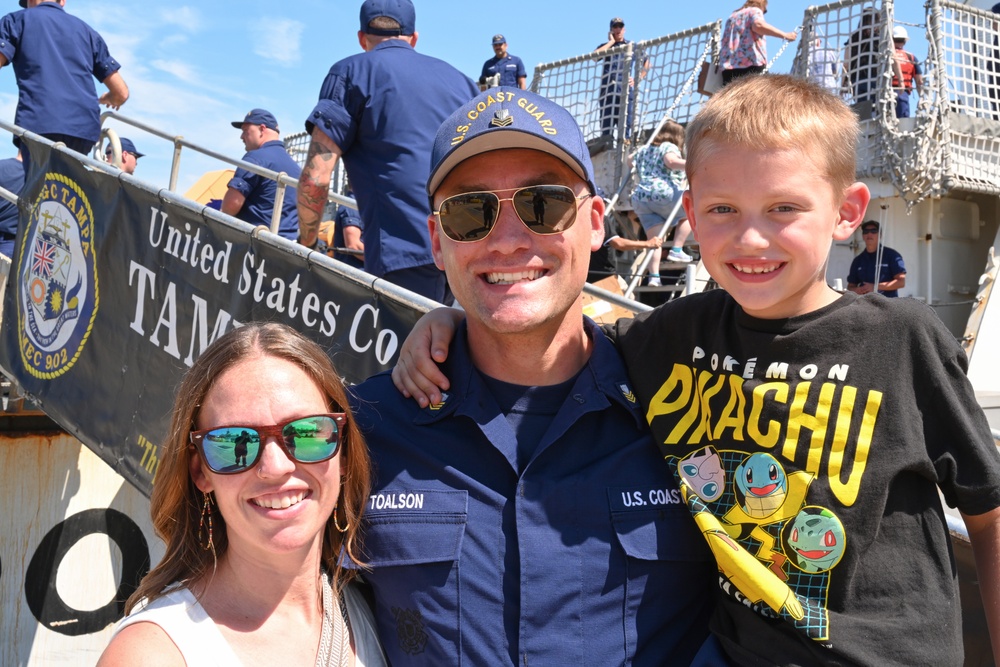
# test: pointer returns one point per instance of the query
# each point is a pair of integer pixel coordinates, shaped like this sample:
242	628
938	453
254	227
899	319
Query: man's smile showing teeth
279	502
756	268
498	278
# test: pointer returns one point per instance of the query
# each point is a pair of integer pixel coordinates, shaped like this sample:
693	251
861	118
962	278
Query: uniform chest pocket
412	541
654	524
415	526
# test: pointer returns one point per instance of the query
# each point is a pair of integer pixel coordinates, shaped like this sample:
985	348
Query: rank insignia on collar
502	118
437	406
626	392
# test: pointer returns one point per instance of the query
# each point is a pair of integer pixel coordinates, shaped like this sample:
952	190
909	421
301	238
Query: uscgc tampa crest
57	276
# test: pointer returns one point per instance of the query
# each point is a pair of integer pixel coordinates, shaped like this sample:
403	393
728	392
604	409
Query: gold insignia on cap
626	392
502	118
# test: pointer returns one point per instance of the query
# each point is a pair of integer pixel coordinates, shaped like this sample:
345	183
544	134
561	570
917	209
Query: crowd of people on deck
526	487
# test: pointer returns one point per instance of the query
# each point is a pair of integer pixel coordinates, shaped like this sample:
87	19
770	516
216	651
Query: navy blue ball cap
499	39
401	11
508	117
127	147
258	117
23	3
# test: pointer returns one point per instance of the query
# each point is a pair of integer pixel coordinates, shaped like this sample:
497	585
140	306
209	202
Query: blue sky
192	68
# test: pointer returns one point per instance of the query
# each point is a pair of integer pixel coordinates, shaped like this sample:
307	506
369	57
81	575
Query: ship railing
953	138
283	180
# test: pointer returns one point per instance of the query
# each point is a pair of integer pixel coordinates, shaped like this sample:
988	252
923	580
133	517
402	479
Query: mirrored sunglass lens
547	209
312	439
469	217
230	449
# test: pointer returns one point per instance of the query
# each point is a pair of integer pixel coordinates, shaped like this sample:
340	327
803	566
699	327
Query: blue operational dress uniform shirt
11	178
510	69
383	108
863	269
583	555
346	217
260	192
56	58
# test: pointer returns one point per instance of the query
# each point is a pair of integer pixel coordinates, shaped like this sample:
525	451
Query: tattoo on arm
314	184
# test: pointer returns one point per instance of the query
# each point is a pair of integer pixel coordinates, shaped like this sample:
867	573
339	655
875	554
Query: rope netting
622	95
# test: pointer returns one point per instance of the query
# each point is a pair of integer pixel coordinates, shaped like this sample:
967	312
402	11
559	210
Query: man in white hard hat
908	73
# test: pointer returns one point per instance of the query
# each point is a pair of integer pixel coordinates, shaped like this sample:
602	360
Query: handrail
179	142
379	286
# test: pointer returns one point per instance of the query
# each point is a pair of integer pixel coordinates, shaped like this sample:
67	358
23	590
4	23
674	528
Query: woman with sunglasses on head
258	498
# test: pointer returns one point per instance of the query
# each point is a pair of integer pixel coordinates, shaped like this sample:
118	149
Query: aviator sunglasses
227	450
544	209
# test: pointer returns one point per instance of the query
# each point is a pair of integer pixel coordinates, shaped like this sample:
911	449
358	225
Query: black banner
114	292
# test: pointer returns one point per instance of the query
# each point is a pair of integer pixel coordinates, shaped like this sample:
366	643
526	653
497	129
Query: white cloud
279	40
179	69
184	17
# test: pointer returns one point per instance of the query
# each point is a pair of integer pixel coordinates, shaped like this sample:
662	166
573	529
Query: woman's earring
206	518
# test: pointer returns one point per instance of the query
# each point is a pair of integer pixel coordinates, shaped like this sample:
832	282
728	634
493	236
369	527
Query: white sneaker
654	281
678	255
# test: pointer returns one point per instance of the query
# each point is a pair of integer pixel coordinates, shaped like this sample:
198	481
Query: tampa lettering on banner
115	292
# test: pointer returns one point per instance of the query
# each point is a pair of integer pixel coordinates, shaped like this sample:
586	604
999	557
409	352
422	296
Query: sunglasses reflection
544	209
238	448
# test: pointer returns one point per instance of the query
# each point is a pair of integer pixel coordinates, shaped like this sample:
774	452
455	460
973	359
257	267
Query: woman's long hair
176	503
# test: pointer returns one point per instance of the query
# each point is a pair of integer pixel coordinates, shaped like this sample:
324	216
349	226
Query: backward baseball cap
509	117
401	11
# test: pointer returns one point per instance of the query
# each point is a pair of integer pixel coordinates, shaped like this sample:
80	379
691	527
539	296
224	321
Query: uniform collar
391	44
601	382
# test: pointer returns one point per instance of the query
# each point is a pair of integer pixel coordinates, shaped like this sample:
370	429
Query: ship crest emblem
57	278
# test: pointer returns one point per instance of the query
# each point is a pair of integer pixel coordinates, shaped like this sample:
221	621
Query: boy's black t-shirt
810	452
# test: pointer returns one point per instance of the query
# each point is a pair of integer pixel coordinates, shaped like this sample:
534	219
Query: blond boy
810	431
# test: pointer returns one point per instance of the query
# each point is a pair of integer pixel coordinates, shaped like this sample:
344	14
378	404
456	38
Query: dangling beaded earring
336	524
206	518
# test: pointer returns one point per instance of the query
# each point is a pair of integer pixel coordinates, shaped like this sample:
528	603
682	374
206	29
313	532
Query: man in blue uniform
379	110
891	273
11	178
503	68
130	156
250	196
527	518
615	80
56	58
347	234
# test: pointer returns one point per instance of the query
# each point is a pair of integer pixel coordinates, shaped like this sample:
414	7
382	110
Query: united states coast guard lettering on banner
57	278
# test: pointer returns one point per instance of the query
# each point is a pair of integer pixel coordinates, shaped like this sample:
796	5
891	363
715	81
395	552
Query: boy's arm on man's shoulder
984	534
416	373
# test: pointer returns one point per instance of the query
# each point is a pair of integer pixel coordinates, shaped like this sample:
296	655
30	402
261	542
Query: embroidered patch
626	392
410	630
439	405
502	118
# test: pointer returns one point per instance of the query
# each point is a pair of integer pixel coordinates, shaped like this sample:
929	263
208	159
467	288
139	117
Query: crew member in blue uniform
347	234
615	79
891	273
11	178
379	110
251	197
130	155
503	68
56	58
527	518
